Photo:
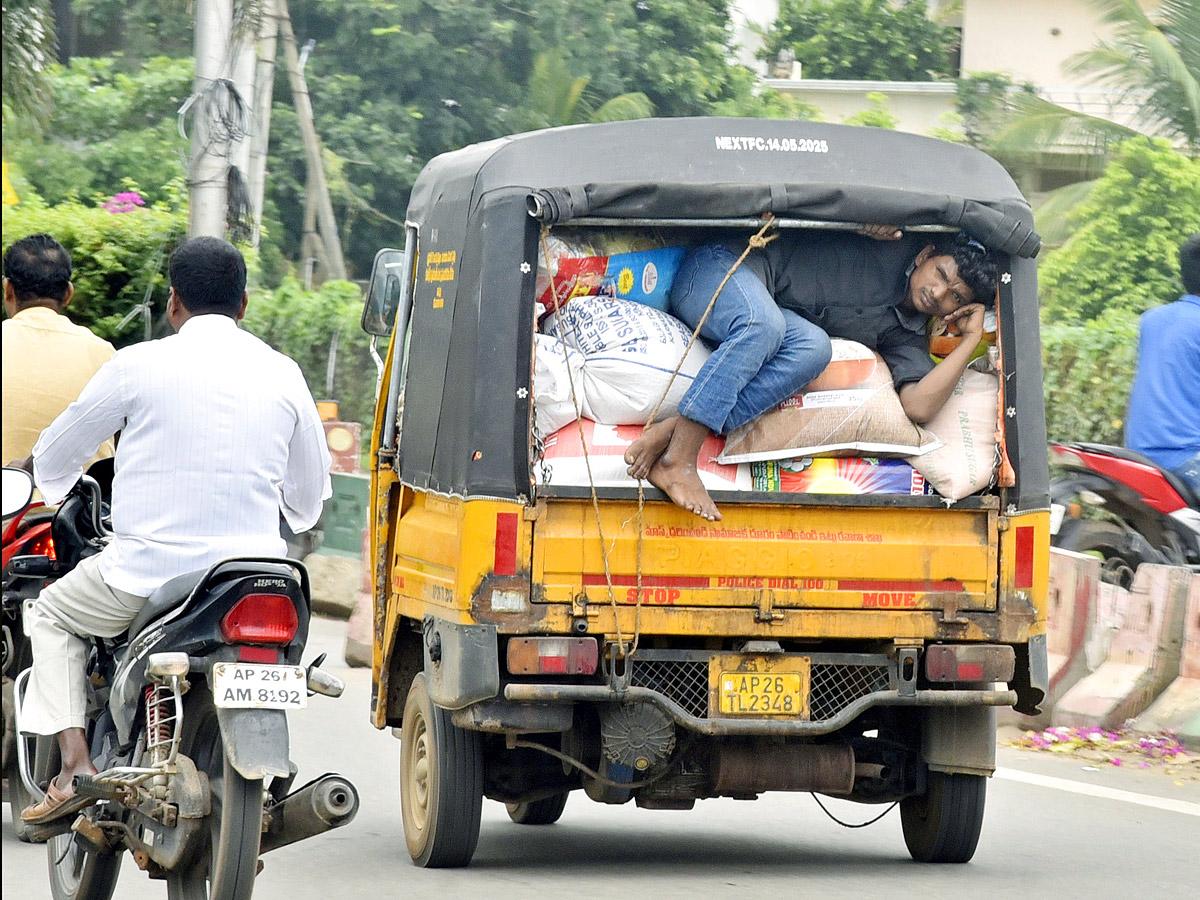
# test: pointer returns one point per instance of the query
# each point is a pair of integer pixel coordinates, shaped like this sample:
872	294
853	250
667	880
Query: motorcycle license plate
251	686
1057	511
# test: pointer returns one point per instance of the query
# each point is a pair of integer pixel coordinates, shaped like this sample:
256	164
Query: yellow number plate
761	685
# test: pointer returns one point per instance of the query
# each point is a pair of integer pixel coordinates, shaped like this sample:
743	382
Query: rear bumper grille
837	680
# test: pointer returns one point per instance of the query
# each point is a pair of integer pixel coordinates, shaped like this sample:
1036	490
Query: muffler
328	802
756	769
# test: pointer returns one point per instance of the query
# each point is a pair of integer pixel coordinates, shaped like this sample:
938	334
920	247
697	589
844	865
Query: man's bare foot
66	778
644	452
674	472
681	482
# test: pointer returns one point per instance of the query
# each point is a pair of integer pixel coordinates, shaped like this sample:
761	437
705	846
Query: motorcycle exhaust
329	802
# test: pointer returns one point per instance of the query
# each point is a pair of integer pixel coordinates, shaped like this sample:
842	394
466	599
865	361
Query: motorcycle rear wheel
228	862
78	873
1108	541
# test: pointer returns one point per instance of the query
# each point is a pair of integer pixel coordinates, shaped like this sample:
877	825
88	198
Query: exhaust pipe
820	768
329	802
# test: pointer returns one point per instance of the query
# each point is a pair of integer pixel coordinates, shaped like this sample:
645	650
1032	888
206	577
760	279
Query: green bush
1124	254
118	258
302	323
1088	370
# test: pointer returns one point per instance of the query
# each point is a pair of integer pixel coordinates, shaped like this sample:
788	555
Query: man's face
934	289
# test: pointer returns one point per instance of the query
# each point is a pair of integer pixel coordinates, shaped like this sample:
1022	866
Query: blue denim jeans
1189	471
764	354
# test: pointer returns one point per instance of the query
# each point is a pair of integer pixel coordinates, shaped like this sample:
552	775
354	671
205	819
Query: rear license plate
250	686
761	685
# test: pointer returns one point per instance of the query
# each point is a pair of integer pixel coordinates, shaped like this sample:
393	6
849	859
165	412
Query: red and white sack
564	464
629	353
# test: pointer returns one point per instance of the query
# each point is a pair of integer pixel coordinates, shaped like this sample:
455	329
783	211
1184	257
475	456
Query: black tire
79	873
1107	540
18	795
228	863
539	812
441	783
943	825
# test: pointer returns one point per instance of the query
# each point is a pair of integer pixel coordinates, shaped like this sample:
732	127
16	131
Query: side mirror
17	490
385	292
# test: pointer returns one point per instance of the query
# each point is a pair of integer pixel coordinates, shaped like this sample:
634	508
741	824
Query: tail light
970	662
42	546
261	619
552	656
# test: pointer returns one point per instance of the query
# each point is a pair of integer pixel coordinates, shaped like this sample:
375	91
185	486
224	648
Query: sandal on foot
54	805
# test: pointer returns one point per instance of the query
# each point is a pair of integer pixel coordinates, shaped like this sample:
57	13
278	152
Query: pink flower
123	202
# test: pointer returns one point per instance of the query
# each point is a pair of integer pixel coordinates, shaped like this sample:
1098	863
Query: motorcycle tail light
42	546
261	619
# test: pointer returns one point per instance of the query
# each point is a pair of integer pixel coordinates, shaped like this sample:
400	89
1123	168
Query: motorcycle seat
1181	487
175	592
169	595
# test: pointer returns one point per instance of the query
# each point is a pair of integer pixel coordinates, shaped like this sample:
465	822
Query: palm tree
28	51
562	100
1152	65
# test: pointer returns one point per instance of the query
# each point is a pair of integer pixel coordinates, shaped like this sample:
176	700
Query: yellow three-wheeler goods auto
533	637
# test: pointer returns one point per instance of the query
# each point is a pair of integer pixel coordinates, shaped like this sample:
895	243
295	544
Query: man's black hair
976	267
209	275
39	268
1189	264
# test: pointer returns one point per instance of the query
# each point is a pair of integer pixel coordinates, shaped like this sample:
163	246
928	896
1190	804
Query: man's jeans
1190	473
764	354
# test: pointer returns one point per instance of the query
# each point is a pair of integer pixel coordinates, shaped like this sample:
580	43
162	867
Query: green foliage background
1124	251
862	39
117	258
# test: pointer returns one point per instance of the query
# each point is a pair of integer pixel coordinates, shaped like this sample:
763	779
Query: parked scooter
187	725
1120	505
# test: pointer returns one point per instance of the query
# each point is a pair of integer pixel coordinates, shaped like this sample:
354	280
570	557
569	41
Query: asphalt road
1053	829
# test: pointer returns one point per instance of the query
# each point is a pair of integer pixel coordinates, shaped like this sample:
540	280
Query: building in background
1026	40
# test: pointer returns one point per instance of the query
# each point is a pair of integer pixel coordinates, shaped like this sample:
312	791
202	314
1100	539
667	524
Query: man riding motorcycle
219	435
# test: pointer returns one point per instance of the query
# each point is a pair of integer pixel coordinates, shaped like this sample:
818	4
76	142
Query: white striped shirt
219	434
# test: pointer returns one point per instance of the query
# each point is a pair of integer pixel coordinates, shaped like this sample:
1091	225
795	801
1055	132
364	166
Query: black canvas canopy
478	212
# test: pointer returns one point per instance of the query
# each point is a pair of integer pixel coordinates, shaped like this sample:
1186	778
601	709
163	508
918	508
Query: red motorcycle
1122	506
25	534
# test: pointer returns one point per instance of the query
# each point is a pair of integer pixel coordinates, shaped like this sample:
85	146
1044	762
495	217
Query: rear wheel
441	783
79	873
228	863
538	812
1108	541
943	825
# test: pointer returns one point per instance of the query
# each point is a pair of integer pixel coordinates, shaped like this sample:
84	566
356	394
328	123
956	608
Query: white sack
629	351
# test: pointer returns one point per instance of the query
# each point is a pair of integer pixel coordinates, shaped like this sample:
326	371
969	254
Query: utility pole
264	89
318	187
208	167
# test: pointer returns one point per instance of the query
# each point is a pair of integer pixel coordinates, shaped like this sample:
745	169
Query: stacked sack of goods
607	353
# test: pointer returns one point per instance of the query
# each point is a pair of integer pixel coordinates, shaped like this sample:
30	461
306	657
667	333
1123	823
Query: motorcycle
27	532
187	725
1120	505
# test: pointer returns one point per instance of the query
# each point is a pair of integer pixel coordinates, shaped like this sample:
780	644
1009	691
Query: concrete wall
919	105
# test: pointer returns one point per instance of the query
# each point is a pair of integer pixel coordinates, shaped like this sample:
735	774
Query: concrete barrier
1071	614
1143	655
1177	709
358	647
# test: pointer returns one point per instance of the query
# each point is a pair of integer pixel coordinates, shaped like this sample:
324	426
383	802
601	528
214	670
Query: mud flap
256	741
1031	678
959	739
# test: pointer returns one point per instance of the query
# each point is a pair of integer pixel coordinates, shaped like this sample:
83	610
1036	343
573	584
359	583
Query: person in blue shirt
1163	422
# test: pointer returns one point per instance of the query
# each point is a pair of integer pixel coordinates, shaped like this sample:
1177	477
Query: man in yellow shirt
47	359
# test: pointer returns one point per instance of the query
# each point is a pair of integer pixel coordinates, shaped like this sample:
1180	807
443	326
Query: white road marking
1106	793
